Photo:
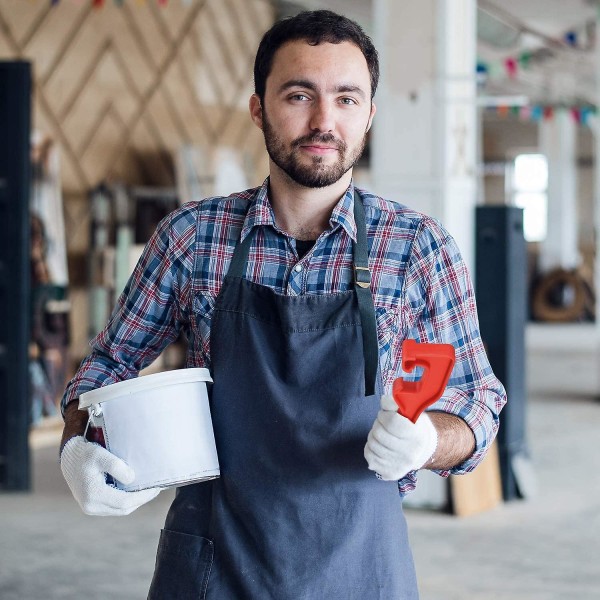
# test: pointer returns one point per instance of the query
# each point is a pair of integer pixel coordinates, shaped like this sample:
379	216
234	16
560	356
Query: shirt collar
343	213
261	211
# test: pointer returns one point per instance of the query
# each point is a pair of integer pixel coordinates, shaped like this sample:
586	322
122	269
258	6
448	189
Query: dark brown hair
315	27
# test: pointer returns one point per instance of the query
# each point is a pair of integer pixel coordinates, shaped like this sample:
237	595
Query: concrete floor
544	548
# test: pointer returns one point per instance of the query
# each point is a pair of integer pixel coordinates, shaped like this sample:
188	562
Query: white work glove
395	445
84	466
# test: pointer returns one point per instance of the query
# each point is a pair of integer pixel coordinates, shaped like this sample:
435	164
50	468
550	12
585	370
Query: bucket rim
127	387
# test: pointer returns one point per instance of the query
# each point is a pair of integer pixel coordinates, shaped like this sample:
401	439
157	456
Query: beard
318	174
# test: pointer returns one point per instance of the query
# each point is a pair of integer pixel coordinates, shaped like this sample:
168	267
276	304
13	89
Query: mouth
319	148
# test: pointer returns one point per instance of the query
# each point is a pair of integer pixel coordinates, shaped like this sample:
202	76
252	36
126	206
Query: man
297	295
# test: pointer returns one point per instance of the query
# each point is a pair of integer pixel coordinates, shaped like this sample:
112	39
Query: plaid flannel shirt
420	284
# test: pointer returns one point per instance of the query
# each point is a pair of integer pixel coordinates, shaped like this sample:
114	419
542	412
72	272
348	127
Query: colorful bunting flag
537	112
525	113
571	38
511	67
524	59
576	114
100	3
581	114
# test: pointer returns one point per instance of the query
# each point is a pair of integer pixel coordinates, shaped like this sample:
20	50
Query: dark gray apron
296	514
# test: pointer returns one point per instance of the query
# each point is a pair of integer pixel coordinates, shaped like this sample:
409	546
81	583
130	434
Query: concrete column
558	144
424	135
596	131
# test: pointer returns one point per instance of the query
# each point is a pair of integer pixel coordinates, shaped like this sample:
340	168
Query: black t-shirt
303	246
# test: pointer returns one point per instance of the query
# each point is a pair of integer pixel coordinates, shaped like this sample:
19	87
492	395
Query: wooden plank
479	490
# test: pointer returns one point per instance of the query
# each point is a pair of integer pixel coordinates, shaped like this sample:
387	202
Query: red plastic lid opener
437	360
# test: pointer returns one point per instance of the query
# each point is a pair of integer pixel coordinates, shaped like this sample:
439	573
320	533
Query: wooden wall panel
137	79
121	88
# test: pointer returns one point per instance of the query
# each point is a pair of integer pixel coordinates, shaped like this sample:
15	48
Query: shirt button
298	268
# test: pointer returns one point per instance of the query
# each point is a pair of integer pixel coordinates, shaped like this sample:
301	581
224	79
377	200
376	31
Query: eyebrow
309	85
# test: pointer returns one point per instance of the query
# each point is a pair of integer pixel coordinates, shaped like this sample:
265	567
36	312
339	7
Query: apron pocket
183	564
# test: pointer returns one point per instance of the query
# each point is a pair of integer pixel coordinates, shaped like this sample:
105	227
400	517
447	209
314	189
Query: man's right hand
84	466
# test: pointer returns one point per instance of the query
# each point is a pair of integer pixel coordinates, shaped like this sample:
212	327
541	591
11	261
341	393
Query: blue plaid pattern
421	290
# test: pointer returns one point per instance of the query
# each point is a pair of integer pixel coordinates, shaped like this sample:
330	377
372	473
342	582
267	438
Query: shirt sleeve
440	308
147	317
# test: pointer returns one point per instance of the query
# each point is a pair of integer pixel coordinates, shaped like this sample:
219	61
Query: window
529	190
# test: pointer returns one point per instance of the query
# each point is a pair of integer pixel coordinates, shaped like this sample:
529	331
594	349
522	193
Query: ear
373	111
256	111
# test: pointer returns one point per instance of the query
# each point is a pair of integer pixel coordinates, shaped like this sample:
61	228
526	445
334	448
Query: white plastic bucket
160	425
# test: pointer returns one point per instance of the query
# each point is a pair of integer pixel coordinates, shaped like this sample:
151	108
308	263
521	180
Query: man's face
316	111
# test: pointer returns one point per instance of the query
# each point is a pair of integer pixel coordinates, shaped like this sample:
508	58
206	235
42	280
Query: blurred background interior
113	113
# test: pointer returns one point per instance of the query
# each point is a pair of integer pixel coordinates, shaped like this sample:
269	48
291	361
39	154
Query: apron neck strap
237	268
362	285
366	307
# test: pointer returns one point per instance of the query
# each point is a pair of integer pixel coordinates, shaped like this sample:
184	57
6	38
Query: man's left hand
395	445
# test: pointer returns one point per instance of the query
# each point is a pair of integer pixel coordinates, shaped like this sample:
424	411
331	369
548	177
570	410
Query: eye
348	101
299	97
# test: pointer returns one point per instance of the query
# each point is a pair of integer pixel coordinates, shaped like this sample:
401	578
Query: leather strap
362	285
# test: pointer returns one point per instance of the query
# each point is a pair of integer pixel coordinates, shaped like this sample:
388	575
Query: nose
322	117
